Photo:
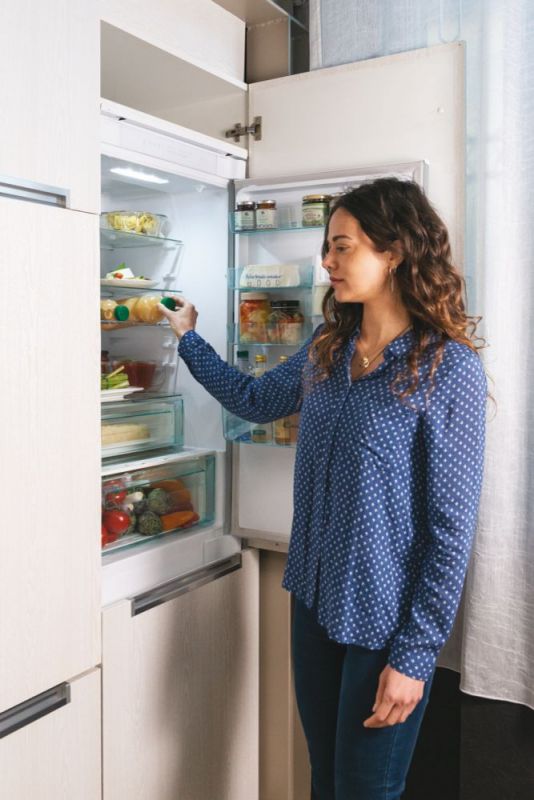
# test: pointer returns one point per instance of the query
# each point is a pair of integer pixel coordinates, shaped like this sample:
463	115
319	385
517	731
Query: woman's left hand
396	698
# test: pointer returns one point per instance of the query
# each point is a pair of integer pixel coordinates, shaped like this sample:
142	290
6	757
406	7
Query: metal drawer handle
36	707
168	591
18	189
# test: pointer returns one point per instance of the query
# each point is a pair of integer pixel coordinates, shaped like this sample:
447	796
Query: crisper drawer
137	425
142	504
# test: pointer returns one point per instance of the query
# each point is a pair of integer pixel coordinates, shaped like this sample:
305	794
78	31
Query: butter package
271	276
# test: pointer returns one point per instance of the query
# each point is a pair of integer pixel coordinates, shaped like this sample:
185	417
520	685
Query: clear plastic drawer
141	424
156	501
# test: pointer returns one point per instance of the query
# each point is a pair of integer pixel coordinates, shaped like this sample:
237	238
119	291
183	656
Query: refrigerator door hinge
239	130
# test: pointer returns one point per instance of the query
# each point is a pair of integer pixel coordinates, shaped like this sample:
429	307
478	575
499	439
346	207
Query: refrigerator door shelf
282	433
272	277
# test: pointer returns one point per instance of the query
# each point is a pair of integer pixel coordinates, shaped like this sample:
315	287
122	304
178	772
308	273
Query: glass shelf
118	240
114	324
271	277
124	291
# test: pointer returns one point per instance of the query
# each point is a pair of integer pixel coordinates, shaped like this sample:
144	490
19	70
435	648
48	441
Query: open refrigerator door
279	284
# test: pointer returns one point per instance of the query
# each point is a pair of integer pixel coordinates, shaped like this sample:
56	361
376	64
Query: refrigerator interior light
128	172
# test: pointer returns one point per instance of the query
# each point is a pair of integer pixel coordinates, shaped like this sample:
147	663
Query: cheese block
118	433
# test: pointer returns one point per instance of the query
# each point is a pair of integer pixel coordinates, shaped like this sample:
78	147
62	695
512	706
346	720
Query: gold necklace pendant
364	362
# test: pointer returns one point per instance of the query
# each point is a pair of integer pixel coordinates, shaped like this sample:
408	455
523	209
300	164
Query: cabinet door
50	101
49	448
180	694
58	755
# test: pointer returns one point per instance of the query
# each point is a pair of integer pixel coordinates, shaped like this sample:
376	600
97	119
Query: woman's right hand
183	318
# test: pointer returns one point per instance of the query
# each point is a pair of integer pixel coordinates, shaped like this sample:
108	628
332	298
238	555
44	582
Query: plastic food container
144	222
143	373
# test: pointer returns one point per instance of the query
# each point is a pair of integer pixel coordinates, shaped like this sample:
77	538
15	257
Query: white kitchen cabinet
183	62
49	102
57	755
180	690
49	450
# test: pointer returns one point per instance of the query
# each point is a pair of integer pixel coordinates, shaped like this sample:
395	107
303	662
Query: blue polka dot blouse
385	497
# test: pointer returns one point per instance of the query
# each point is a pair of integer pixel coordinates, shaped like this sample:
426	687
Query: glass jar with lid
285	322
245	216
315	210
266	214
254	310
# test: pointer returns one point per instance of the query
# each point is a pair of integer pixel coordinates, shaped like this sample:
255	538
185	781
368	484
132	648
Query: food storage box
143	222
143	504
141	424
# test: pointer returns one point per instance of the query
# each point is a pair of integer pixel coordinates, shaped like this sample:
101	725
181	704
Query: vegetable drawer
136	425
142	504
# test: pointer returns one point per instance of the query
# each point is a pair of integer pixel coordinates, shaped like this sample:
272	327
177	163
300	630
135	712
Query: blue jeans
335	687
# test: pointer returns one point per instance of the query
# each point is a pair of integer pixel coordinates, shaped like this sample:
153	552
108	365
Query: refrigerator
204	479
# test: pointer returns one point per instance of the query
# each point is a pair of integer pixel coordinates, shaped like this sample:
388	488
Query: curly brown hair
397	216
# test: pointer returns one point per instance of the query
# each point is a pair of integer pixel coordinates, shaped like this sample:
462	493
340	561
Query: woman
392	397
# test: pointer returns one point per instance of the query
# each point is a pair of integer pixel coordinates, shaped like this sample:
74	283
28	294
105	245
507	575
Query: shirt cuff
416	662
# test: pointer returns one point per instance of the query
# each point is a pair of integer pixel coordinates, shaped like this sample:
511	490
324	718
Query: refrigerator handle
187	583
22	189
36	707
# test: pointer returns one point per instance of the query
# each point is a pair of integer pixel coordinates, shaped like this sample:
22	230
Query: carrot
178	519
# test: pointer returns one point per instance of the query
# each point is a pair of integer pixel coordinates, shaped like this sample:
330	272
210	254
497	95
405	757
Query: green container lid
169	303
121	313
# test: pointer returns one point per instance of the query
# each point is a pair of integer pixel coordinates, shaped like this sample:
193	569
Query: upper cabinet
182	62
50	101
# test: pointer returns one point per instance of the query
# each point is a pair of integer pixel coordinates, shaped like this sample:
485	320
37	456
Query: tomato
116	522
116	498
108	537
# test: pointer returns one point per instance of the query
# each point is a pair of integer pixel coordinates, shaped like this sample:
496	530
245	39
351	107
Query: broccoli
149	524
158	501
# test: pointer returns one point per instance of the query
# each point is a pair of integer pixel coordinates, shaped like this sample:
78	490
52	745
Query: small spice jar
254	310
315	210
266	214
285	322
245	216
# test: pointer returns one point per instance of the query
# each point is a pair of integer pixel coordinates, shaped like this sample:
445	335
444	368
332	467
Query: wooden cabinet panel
49	448
50	101
57	756
180	694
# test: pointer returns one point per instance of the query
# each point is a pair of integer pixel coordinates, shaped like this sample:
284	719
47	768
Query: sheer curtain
492	645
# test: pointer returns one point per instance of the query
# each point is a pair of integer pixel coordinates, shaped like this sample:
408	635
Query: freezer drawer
136	425
142	504
180	691
55	752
